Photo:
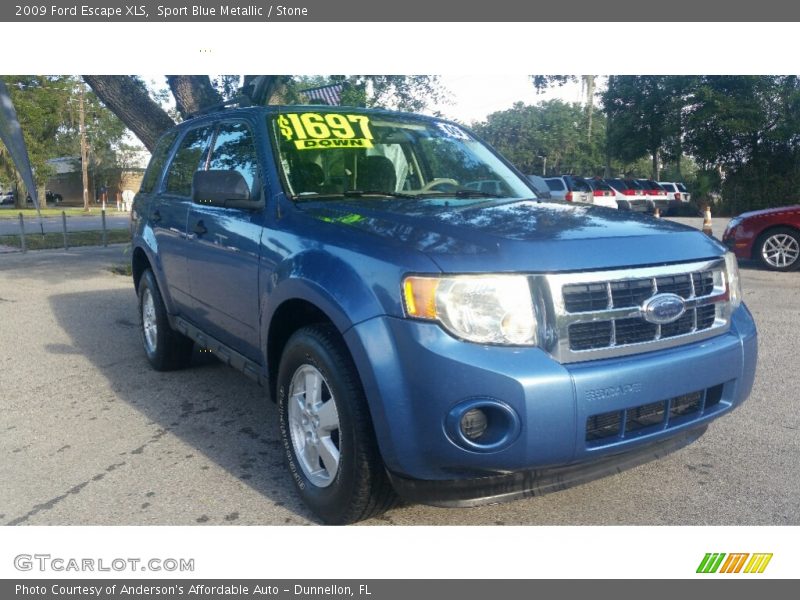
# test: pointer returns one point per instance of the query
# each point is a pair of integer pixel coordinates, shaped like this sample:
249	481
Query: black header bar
419	11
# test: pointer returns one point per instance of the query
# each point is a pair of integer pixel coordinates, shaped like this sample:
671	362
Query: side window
189	158
234	150
157	162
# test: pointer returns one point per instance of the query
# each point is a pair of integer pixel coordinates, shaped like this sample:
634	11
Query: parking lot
91	435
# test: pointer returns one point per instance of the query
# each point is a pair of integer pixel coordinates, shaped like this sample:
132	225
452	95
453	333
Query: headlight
487	309
732	224
734	283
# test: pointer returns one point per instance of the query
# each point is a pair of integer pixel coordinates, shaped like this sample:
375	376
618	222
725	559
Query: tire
778	249
328	437
166	349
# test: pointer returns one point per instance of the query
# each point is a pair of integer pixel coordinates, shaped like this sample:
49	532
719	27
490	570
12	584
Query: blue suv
423	336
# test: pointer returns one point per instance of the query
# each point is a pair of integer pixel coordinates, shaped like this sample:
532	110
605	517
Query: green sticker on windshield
309	131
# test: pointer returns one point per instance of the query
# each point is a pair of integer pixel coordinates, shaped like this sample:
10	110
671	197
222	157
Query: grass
71	211
35	241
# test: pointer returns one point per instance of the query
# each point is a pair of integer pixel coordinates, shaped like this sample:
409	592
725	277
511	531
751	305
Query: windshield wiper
359	193
463	193
314	196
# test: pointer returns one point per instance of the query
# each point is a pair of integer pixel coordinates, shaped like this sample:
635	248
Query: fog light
474	423
482	424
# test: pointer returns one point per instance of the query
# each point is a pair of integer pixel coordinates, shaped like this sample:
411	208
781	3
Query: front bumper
526	484
415	375
739	242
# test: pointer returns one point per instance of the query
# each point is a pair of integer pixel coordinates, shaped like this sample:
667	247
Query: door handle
199	228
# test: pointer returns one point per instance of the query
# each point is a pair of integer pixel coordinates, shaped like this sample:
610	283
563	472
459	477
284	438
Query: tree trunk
19	197
607	172
84	151
192	93
128	99
656	171
589	81
266	89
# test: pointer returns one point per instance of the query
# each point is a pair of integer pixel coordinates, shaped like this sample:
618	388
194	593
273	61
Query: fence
58	233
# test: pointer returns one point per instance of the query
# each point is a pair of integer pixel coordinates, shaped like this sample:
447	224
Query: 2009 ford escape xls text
421	337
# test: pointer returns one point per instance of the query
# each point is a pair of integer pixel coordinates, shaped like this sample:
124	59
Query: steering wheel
438	181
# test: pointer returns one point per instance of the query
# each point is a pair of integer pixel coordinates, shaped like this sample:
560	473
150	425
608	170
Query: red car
771	236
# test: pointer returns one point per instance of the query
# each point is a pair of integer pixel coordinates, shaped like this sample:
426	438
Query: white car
570	189
603	194
630	195
677	190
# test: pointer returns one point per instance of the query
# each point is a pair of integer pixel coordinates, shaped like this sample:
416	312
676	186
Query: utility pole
84	150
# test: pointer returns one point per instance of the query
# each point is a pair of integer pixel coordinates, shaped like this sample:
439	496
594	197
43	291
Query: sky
471	96
477	95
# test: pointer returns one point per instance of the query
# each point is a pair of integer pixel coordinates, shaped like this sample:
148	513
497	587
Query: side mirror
226	188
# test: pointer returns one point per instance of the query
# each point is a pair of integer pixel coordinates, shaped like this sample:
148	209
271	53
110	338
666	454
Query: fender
145	240
324	280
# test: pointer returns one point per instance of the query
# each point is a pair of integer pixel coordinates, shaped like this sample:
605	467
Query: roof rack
241	101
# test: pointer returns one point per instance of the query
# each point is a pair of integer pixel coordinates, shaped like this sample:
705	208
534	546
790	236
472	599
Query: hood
769	212
520	236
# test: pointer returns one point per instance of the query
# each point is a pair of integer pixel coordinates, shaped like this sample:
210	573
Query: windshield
350	154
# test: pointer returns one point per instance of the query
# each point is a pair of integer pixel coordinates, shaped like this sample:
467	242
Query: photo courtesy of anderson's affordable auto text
559	306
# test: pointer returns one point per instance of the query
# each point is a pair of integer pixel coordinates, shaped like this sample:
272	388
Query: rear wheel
166	349
327	432
779	249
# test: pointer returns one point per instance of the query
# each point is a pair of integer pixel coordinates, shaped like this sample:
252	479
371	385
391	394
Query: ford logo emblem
663	308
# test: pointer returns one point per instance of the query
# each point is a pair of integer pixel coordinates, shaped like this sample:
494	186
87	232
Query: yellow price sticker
326	130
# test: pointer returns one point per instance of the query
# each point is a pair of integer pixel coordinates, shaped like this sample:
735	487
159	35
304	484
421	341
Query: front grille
586	336
631	293
601	315
645	416
634	331
580	298
608	427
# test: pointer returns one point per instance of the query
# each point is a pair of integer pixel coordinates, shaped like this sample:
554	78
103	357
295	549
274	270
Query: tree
129	99
49	112
41	105
527	134
588	87
639	111
744	128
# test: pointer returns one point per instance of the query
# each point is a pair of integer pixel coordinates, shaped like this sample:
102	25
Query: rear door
558	190
581	191
170	210
223	264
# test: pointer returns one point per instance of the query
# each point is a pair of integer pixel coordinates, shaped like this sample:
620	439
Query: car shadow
213	408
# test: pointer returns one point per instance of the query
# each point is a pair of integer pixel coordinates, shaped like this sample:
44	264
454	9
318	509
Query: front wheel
779	249
327	432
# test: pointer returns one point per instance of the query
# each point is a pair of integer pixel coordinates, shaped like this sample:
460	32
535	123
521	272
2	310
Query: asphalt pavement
90	435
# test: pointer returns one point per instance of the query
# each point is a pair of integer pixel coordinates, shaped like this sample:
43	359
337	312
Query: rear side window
234	150
190	157
157	161
617	184
579	185
599	184
555	185
633	184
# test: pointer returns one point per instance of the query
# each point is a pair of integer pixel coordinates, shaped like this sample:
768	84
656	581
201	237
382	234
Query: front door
224	257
